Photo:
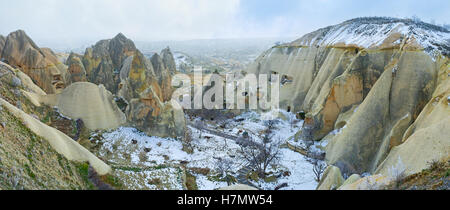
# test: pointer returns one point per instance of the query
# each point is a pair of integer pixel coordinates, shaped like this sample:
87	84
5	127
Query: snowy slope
127	147
372	32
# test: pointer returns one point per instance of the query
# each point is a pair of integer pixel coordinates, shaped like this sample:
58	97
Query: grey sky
64	21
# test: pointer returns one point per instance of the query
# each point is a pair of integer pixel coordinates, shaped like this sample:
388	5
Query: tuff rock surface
378	83
145	84
41	64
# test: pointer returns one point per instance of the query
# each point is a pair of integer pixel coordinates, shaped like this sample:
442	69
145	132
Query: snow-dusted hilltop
380	32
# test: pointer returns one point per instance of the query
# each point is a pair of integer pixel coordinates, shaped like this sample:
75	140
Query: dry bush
155	181
202	171
187	142
398	173
318	169
224	166
260	155
143	156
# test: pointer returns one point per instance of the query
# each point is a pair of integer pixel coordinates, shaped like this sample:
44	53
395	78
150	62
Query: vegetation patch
83	170
112	180
202	171
128	168
155	181
435	177
191	181
29	172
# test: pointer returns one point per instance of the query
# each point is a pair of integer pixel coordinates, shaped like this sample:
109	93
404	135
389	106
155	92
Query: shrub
224	166
397	173
155	181
260	156
318	169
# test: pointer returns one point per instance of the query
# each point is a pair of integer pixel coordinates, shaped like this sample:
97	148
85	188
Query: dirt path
214	132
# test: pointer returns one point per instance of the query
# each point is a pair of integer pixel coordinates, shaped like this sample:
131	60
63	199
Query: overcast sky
68	21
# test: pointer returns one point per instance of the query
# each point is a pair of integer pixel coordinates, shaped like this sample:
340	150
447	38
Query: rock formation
375	182
350	180
163	76
144	84
115	64
169	60
331	179
2	44
92	103
427	139
147	110
373	79
103	61
41	64
76	68
13	79
58	140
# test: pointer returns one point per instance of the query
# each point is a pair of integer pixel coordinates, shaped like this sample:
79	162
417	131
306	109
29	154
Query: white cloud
139	19
67	20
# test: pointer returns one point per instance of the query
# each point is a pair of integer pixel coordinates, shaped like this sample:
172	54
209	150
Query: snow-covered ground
373	32
119	143
128	147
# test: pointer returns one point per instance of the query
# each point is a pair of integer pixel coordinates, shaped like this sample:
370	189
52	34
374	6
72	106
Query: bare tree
318	169
224	166
261	155
268	132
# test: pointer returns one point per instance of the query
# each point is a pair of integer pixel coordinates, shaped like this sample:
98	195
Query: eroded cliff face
380	73
103	61
41	64
169	60
76	68
33	154
116	65
2	44
427	138
163	75
144	84
149	108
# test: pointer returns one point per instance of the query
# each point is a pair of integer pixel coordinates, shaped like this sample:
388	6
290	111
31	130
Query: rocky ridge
41	64
114	63
34	155
372	88
144	84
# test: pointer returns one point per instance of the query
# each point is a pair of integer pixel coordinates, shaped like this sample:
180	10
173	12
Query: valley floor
144	162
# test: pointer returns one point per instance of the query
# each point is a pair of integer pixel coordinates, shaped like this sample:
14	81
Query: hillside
374	90
30	159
